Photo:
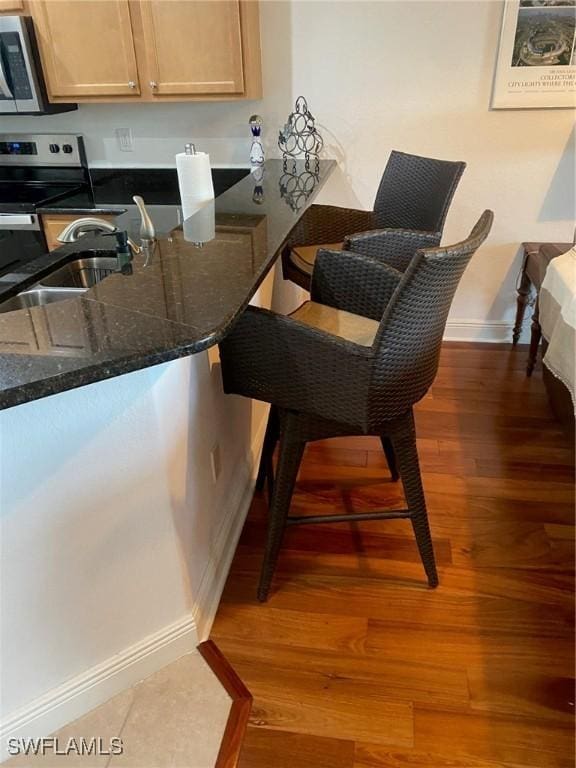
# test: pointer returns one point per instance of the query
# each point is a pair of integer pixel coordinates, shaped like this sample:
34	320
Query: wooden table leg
534	341
521	301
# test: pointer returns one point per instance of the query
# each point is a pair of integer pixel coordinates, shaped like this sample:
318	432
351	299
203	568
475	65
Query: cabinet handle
153	84
131	84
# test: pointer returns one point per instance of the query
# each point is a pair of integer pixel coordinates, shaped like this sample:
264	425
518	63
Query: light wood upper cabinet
87	47
149	50
193	47
12	6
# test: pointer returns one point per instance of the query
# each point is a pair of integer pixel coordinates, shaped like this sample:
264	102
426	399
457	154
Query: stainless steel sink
81	273
67	282
39	296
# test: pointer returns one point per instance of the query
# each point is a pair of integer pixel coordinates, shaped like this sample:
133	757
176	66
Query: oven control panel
18	148
63	149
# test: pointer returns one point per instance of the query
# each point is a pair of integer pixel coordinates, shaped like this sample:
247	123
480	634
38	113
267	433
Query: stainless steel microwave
22	88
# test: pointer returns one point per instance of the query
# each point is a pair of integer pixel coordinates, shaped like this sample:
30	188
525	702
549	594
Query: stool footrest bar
311	519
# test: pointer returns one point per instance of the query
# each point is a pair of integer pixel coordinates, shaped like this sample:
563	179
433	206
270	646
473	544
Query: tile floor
174	718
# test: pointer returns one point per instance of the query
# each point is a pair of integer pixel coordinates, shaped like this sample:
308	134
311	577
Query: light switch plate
124	139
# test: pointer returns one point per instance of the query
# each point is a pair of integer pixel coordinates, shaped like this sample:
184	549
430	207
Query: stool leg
521	301
403	436
534	341
390	457
270	440
291	452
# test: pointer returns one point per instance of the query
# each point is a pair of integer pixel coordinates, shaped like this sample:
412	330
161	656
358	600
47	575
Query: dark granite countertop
82	203
113	188
178	301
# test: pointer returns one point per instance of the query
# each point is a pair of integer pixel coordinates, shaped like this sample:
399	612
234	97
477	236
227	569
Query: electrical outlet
124	139
215	462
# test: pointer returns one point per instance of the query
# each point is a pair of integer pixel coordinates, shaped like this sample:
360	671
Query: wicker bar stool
331	371
414	194
394	247
409	213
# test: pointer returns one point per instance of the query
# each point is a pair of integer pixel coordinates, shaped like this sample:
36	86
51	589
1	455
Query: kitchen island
126	472
178	300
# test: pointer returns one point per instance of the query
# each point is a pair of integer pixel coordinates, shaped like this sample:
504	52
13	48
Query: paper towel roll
200	227
194	180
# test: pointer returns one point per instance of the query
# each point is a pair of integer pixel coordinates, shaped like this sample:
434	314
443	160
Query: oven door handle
4	87
19	221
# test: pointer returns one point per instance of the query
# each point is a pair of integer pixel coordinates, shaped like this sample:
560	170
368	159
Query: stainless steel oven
22	88
35	170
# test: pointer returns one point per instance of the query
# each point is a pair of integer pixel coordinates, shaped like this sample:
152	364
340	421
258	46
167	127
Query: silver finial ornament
256	150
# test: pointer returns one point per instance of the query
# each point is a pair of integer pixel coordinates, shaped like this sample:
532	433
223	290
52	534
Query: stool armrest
329	224
353	282
395	247
277	359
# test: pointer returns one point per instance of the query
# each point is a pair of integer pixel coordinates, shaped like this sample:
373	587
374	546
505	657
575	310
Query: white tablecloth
557	314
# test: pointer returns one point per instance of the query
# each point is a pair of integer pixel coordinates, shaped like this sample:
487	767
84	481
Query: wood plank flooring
354	662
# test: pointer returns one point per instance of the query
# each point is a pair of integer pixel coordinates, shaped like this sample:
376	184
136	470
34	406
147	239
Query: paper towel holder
189	149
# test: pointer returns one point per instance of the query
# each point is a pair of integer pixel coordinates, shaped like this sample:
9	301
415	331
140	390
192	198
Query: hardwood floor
354	662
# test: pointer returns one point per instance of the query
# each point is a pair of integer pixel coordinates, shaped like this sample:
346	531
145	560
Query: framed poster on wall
536	60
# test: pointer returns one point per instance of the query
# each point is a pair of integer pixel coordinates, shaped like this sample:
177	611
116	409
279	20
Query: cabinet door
12	6
18	334
193	46
87	47
61	329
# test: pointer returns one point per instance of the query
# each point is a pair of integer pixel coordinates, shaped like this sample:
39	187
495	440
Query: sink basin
69	281
40	296
81	273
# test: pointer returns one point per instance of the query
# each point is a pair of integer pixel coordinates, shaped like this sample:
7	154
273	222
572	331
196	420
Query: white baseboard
226	541
88	690
480	330
216	572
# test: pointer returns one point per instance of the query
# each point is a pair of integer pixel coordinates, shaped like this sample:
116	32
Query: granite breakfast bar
126	472
185	297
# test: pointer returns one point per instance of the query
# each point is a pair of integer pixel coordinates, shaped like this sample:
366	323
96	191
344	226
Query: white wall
159	131
114	539
417	76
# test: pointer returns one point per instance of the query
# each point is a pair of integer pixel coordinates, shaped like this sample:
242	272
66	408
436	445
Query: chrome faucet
79	227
